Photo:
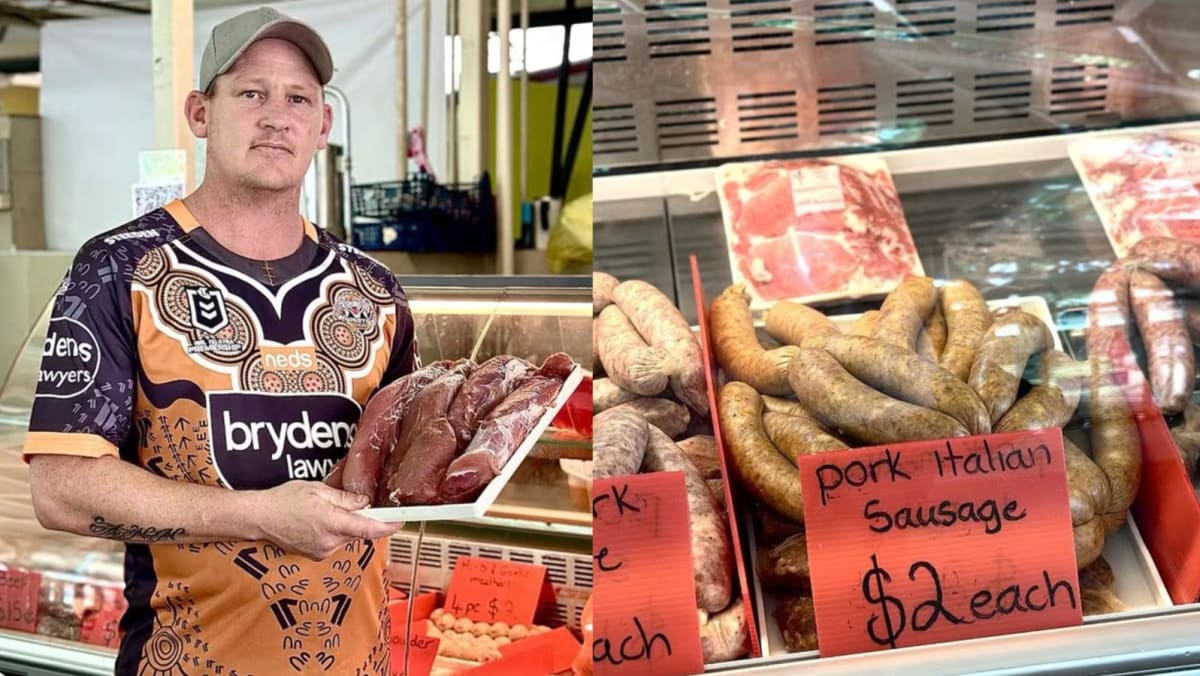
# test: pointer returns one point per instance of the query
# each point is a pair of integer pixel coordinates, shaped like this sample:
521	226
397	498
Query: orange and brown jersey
173	353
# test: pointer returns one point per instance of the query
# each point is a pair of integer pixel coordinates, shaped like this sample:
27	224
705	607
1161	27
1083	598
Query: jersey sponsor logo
290	358
206	309
70	359
260	440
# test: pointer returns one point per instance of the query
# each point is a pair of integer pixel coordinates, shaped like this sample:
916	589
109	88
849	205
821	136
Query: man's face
264	118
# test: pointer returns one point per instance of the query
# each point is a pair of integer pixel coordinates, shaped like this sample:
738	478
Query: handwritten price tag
642	547
102	628
19	592
491	591
937	541
422	651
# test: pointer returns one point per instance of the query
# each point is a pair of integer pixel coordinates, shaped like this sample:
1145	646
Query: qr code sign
149	196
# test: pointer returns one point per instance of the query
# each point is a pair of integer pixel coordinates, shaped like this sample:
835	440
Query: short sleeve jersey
167	352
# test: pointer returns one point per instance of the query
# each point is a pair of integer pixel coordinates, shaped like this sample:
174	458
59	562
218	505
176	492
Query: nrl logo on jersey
206	309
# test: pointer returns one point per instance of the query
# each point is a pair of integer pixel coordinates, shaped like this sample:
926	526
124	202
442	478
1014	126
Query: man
203	370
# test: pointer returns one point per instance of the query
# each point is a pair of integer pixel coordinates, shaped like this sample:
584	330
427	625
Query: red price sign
422	651
102	628
937	541
19	593
642	547
485	590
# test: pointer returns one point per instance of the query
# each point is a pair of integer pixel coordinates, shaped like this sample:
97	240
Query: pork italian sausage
905	310
628	360
1013	338
760	466
663	326
790	323
702	451
795	437
1052	402
1109	322
1175	260
1169	350
1089	495
724	636
1116	445
712	551
865	325
618	443
908	377
932	339
738	351
967	320
841	401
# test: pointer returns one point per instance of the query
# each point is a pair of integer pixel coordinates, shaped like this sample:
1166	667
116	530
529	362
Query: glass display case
538	518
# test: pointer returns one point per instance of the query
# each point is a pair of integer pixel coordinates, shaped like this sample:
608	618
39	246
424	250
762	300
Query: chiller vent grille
925	103
843	21
1074	12
608	32
846	109
761	24
1005	15
1077	90
614	130
686	123
918	19
556	568
1002	96
770	116
677	28
431	555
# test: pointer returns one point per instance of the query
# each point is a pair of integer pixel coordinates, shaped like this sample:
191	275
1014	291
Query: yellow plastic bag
570	242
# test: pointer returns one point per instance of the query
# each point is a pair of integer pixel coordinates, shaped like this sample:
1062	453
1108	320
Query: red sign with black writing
486	590
19	593
645	592
934	541
422	651
102	628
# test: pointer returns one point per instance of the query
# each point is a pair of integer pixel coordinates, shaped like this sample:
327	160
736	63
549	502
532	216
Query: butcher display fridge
541	517
831	153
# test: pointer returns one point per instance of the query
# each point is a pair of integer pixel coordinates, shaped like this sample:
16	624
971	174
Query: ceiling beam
109	5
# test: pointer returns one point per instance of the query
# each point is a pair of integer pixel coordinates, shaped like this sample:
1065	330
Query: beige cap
231	37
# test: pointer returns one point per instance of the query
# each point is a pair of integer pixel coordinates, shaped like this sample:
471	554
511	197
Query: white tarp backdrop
97	102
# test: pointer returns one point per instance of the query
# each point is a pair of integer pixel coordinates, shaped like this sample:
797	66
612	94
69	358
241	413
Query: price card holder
422	651
102	628
19	594
486	590
641	544
936	541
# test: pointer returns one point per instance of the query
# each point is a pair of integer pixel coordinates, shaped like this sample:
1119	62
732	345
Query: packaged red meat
1142	185
815	230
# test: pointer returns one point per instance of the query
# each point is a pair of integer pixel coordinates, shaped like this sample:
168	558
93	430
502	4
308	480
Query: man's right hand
315	520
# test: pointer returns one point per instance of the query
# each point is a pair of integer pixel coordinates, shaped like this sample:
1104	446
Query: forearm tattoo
116	531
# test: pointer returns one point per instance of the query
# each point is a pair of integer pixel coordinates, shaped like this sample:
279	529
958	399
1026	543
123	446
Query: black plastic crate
421	216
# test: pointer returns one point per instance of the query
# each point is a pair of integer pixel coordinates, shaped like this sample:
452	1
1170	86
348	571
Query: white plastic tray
476	509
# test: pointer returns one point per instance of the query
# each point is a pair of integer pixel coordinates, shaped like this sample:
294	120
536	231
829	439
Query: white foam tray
476	509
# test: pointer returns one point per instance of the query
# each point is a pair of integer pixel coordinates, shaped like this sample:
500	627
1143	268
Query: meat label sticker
934	541
422	651
19	594
816	189
645	591
486	590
